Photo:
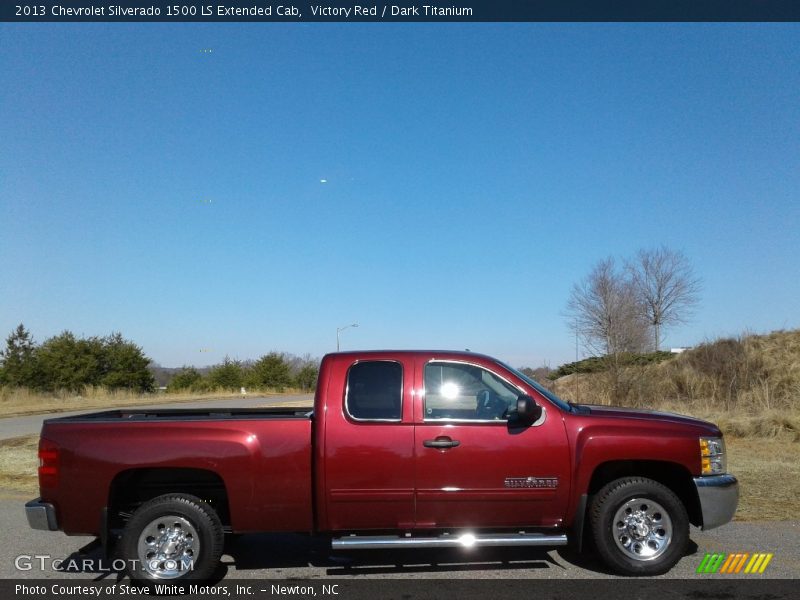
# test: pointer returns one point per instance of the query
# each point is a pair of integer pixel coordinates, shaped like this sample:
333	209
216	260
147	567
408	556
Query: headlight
712	456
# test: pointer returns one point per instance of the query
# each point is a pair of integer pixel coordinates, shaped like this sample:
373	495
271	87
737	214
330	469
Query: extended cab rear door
367	463
474	467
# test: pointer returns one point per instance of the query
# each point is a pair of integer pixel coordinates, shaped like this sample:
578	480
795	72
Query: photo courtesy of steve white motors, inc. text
218	590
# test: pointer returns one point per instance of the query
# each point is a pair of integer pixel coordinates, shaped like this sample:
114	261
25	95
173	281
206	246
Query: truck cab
434	441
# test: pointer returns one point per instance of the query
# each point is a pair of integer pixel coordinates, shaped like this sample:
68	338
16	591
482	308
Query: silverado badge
531	482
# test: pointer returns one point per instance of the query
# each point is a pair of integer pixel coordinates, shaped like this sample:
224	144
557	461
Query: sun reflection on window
450	390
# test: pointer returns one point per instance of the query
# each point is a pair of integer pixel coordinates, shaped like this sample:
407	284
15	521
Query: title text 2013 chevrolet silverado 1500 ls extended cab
403	449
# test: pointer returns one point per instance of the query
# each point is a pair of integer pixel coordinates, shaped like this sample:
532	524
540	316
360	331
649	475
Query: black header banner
321	11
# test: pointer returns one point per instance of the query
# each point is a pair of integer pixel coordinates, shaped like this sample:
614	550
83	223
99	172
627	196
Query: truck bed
187	414
259	459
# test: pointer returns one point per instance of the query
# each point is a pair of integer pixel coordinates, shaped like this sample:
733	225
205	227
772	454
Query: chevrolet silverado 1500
403	449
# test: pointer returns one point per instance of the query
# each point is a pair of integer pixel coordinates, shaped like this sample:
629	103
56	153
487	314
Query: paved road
294	556
17	426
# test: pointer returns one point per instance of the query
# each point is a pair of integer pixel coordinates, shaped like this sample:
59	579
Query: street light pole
340	329
577	387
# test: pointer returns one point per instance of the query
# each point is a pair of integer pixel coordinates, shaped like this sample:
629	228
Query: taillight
48	464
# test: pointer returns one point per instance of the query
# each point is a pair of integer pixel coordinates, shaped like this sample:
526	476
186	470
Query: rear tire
175	537
640	526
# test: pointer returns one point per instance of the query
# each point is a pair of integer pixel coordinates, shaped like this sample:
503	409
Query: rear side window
375	391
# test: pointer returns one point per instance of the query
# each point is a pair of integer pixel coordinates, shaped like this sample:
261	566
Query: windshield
540	388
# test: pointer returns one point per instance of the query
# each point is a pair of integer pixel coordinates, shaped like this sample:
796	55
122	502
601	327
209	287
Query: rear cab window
374	391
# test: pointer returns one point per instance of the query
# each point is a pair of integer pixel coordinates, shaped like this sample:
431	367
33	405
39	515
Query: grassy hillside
750	385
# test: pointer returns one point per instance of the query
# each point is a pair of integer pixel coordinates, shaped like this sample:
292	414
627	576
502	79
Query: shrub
187	378
18	362
270	371
70	363
124	365
306	378
227	375
598	364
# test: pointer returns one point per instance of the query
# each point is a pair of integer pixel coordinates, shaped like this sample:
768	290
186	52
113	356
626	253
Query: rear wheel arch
133	487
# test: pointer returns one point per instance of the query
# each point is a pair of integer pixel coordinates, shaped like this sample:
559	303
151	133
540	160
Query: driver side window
465	392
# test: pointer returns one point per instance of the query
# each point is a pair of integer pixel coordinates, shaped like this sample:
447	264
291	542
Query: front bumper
41	515
719	495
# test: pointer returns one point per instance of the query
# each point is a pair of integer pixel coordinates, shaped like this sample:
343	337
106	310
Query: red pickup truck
403	449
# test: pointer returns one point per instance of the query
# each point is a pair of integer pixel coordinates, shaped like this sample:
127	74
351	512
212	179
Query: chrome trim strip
466	540
504	423
719	496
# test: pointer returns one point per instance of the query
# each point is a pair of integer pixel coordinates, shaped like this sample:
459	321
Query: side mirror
527	410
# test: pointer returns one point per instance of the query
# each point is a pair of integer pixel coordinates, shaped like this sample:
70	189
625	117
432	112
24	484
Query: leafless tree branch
666	288
603	310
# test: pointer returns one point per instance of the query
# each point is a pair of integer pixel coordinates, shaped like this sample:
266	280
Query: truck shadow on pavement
278	552
284	554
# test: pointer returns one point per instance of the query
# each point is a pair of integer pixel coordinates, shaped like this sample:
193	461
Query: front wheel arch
672	475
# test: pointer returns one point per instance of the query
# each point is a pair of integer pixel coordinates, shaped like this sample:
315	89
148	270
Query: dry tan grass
758	463
15	402
769	477
750	386
309	404
18	464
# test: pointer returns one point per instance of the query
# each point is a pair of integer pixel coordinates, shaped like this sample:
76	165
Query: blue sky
473	174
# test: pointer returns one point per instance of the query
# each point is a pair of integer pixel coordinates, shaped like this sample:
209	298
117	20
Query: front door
474	467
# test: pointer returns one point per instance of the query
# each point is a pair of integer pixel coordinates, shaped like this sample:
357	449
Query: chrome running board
463	540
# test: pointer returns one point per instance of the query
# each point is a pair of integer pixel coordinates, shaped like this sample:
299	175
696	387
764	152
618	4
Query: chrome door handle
441	442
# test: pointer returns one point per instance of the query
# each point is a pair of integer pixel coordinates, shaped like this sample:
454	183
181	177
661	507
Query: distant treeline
275	371
68	363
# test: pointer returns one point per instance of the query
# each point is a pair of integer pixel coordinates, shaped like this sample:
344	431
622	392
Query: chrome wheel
168	547
642	529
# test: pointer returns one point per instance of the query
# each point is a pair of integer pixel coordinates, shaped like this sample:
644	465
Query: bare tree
603	310
665	286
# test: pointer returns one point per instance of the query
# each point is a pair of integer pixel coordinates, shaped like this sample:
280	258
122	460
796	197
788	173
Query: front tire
640	526
174	537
